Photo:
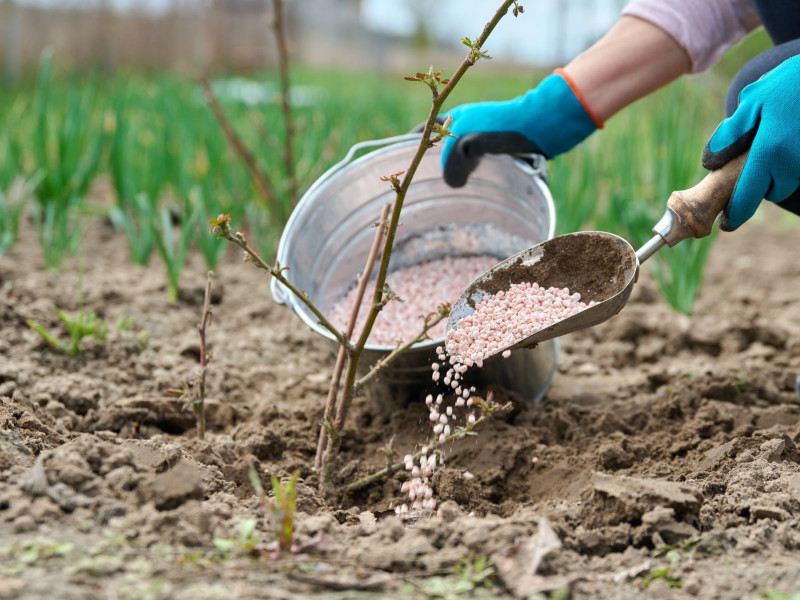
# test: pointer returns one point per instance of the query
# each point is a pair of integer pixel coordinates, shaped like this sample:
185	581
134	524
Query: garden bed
665	441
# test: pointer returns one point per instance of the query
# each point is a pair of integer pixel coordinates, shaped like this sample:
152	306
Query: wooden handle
698	207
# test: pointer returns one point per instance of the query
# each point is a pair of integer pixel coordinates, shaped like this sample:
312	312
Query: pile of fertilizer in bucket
422	288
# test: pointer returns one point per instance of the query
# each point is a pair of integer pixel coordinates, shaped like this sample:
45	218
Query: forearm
632	60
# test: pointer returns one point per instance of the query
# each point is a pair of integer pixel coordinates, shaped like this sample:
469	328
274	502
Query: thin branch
283	68
402	189
333	390
458	434
263	182
221	226
200	403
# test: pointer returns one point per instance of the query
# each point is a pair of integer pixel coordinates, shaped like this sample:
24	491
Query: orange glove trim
579	96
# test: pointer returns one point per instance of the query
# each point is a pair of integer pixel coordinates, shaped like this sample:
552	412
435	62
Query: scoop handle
698	207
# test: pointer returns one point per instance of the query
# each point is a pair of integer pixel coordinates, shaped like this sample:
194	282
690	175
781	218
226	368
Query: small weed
469	580
780	596
81	325
30	552
153	589
678	555
663	573
124	323
685	545
244	543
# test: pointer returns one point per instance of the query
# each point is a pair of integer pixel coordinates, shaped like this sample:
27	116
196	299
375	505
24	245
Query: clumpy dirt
662	463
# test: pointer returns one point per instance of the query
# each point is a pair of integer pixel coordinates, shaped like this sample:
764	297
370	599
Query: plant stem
276	271
263	182
333	390
430	322
200	402
283	68
425	143
457	435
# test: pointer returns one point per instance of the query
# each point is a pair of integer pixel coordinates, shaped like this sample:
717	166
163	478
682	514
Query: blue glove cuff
555	96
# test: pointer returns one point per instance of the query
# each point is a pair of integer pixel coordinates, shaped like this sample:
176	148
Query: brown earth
667	448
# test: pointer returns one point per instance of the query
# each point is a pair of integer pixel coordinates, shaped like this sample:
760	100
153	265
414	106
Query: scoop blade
600	266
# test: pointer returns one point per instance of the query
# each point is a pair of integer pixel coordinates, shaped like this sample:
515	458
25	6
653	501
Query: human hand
549	119
767	122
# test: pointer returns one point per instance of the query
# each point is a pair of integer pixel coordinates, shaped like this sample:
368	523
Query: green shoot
173	244
83	324
80	325
244	543
132	220
281	508
12	204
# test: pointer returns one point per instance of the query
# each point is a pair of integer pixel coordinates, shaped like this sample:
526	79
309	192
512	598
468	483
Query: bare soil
666	451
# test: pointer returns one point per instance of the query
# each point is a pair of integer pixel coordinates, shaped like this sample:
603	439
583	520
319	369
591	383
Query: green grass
172	169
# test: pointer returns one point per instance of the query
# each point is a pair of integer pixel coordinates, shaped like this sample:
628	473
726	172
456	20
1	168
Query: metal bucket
505	207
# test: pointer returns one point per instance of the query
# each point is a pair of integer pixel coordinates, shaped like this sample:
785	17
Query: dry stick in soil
200	406
283	69
193	390
222	227
333	390
432	80
263	182
489	409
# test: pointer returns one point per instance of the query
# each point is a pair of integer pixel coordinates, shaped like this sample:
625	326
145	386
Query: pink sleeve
704	28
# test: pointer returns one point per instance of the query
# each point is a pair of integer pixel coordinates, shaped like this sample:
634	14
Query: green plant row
170	166
159	144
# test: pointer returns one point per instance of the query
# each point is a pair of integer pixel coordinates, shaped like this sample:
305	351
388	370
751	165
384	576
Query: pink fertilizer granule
423	288
503	319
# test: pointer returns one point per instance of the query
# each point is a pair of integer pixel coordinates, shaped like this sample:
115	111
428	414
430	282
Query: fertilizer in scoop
507	317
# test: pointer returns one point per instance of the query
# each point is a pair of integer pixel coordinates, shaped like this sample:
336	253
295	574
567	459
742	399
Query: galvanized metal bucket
505	207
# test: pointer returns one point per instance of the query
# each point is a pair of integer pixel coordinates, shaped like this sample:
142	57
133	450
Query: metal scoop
602	267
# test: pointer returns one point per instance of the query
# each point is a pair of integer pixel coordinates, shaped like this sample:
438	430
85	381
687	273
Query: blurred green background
142	148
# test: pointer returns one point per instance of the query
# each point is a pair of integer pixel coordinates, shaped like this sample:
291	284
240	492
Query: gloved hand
549	119
767	121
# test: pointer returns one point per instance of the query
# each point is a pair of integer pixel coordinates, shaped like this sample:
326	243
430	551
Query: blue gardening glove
767	121
549	119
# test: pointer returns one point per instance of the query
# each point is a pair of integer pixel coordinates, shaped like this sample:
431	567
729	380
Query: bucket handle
348	158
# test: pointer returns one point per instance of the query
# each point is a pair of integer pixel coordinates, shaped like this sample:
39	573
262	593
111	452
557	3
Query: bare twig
283	68
491	409
200	402
193	389
222	227
263	183
333	390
